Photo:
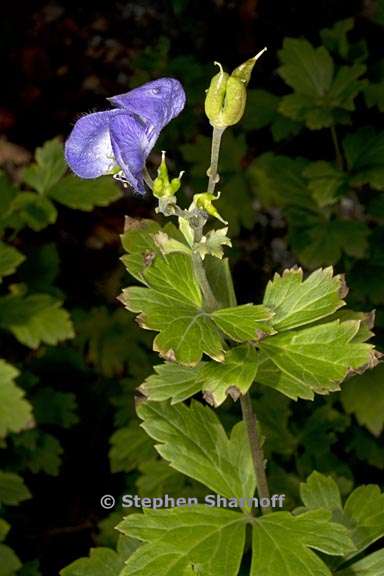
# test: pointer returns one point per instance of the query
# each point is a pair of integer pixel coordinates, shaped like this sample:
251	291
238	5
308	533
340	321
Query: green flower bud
162	187
204	202
226	96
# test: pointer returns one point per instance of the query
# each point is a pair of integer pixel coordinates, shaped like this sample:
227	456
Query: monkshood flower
124	136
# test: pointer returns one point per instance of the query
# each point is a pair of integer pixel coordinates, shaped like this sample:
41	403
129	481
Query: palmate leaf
85	195
322	95
363	396
198	537
9	562
282	543
323	241
363	511
180	538
50	166
35	318
101	562
194	442
234	376
326	182
372	565
33	210
129	447
316	359
10	258
12	489
364	153
40	451
296	302
173	305
15	410
262	110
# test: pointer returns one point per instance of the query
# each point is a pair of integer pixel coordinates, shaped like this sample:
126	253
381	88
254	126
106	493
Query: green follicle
204	202
244	71
162	186
226	96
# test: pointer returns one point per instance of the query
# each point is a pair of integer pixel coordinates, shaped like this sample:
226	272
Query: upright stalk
339	156
215	151
257	452
249	416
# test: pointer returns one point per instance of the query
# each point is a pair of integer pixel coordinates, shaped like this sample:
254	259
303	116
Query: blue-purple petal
132	140
88	150
158	101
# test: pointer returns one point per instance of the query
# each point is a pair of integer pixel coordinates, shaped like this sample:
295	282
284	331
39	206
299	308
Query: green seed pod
226	96
214	100
244	71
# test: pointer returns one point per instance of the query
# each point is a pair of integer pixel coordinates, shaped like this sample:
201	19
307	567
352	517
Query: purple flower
125	135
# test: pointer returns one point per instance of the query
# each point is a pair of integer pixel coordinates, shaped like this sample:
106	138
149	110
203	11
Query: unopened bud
162	187
204	202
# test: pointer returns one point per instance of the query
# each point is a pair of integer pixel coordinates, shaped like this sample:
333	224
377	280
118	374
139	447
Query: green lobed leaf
12	489
129	447
363	396
371	565
326	182
234	376
10	259
39	451
55	407
322	95
9	562
283	544
49	167
324	241
306	69
85	195
279	180
244	322
101	562
31	209
363	511
335	39
110	341
194	442
320	491
35	318
365	508
262	110
315	359
173	306
364	153
182	538
15	410
296	302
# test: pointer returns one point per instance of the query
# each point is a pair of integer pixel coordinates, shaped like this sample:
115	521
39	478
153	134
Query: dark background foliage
62	59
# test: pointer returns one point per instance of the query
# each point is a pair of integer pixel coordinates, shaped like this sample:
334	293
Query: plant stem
257	452
215	151
339	156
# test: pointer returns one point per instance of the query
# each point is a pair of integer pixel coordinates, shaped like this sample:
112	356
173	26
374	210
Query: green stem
257	452
215	151
339	156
